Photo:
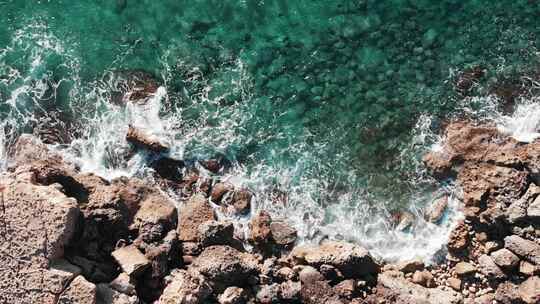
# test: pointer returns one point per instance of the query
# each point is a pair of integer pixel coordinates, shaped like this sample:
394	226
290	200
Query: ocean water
323	108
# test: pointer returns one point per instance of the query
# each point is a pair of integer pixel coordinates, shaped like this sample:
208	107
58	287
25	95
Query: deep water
328	103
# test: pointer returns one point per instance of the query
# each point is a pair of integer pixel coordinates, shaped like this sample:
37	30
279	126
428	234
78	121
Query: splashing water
524	123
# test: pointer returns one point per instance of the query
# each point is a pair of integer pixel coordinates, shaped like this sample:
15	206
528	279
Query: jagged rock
37	222
517	211
507	293
489	268
533	211
505	259
309	274
424	278
194	213
219	190
352	260
155	217
410	266
318	292
267	294
405	221
225	265
241	201
80	291
285	273
144	141
488	298
485	182
168	168
123	284
282	233
290	290
212	165
529	291
260	228
464	268
331	273
29	149
455	283
132	261
435	211
395	288
59	275
346	289
164	256
107	295
216	233
186	287
233	295
526	249
459	238
528	269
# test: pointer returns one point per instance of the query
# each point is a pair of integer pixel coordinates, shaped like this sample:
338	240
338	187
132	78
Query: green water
329	91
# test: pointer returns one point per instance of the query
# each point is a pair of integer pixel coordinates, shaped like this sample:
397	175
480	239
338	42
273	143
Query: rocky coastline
72	237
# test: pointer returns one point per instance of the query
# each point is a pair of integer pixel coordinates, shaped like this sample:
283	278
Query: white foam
524	123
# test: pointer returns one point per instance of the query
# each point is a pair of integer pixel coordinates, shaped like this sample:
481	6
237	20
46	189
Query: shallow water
328	102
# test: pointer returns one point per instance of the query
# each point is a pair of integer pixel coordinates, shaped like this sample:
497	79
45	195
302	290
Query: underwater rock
144	141
468	78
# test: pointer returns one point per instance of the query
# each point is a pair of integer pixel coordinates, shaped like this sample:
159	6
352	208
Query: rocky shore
72	237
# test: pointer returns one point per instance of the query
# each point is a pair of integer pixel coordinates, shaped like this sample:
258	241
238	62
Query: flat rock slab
132	261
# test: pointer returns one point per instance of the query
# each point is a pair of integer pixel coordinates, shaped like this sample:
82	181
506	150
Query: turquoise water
322	100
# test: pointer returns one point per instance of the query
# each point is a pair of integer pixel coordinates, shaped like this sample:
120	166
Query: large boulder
396	289
352	260
225	266
193	214
38	222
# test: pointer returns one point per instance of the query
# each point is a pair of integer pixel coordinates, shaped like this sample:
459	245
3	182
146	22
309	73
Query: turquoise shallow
327	101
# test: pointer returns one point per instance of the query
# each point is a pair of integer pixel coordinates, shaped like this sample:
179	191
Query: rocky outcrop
144	141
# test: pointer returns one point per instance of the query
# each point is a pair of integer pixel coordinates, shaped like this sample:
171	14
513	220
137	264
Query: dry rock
424	278
505	259
193	214
282	233
464	268
455	283
526	249
489	268
131	260
184	287
529	291
233	295
80	291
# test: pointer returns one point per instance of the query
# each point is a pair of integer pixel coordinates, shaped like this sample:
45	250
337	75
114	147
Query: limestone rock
132	261
155	217
526	249
455	283
194	213
290	290
309	274
424	278
533	211
123	284
184	287
459	238
410	266
80	291
352	260
528	269
346	289
518	209
59	275
267	294
106	295
507	293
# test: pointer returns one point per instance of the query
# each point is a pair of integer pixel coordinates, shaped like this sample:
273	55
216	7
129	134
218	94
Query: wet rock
216	233
410	266
194	213
507	293
186	287
405	221
131	260
459	238
123	284
36	225
219	190
233	295
529	291
144	141
464	268
267	294
168	168
468	78
133	86
455	283
79	291
424	278
282	233
436	210
106	295
526	249
225	265
505	259
260	228
352	260
394	288
241	201
489	268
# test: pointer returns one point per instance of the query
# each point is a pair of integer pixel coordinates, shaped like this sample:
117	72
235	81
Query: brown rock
186	287
60	274
132	261
533	210
106	295
233	295
528	269
142	140
459	238
156	212
529	291
435	211
241	201
290	290
489	268
410	266
505	259
168	168
80	291
216	233
424	278
318	292
123	284
352	260
455	283
346	289
517	211
507	293
526	249
464	268
309	274
260	228
267	294
194	213
282	233
219	190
